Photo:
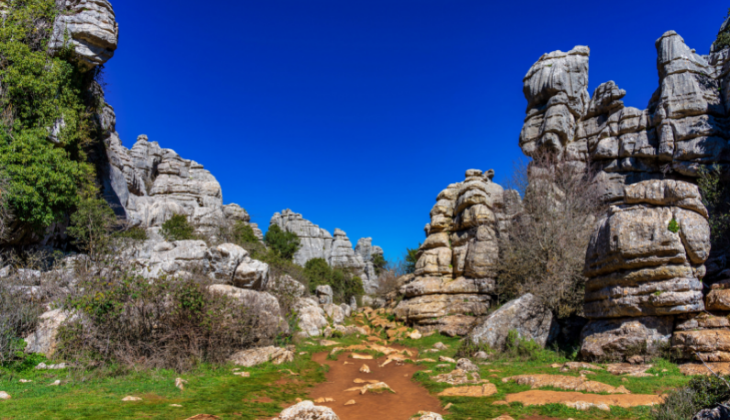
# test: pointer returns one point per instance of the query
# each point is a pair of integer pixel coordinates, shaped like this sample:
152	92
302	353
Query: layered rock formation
683	127
337	250
89	26
146	185
455	270
645	259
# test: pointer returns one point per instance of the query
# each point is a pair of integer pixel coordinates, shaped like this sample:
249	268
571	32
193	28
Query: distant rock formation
337	251
456	265
645	259
147	185
89	26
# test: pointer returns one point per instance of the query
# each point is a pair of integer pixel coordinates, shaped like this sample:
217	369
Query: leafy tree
411	258
90	225
243	233
177	228
283	243
723	38
379	263
344	285
39	92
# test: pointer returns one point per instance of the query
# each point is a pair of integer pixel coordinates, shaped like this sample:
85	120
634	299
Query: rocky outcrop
268	323
146	185
645	259
457	263
529	317
703	336
337	250
613	338
685	126
89	26
306	410
43	339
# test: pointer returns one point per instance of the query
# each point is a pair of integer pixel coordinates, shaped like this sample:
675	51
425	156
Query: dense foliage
41	92
723	38
701	392
379	264
177	228
91	224
285	244
716	198
344	285
411	258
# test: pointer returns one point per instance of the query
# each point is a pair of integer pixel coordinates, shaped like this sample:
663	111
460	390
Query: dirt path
409	397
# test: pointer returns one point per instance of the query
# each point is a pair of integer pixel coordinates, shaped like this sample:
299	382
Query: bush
40	92
344	285
701	392
723	38
168	323
177	228
716	198
18	317
135	233
543	252
91	225
285	244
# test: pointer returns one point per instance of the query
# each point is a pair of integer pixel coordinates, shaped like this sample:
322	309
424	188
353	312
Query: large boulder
702	336
527	315
612	338
306	410
310	317
43	339
263	306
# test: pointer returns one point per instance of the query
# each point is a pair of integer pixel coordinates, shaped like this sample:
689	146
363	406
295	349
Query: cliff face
684	126
89	26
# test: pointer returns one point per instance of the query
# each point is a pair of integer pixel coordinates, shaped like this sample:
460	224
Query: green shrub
135	233
243	233
683	403
379	263
716	198
285	244
673	225
723	38
91	225
39	91
344	285
169	323
177	228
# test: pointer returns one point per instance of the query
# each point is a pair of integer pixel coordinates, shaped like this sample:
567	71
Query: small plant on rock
177	228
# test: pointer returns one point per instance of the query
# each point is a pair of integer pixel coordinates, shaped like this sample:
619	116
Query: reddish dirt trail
409	399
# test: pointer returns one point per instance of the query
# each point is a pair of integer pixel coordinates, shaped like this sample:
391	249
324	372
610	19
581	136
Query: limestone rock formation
306	410
43	339
644	264
456	264
337	250
90	27
310	317
527	315
261	355
147	185
684	125
704	336
269	322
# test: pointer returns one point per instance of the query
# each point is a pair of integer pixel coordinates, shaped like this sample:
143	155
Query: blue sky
357	113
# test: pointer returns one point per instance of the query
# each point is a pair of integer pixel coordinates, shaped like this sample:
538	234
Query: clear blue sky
357	113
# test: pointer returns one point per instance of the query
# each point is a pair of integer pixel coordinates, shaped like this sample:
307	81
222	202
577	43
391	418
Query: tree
285	244
411	258
344	285
543	249
379	263
91	225
177	228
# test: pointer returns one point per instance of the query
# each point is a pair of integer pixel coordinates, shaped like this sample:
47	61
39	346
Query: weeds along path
344	373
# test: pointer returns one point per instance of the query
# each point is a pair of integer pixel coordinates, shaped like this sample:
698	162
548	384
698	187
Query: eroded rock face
527	315
269	323
43	339
703	336
261	355
310	317
636	265
457	263
90	27
337	250
147	185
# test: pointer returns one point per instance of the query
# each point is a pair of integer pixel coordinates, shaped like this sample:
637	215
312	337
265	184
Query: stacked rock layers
456	264
644	264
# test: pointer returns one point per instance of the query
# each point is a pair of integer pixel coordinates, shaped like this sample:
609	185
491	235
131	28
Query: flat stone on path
485	390
556	397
